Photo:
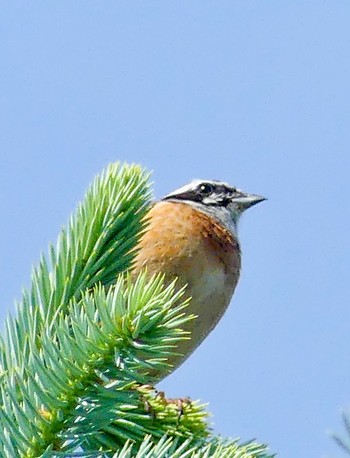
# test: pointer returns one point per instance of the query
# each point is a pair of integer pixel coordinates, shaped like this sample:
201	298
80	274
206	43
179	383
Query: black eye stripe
211	194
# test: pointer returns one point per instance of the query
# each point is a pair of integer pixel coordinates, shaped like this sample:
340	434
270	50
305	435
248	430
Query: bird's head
215	198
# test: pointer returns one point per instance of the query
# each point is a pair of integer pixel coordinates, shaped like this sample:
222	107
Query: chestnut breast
185	243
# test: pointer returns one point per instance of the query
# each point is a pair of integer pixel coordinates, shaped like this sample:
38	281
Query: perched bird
192	236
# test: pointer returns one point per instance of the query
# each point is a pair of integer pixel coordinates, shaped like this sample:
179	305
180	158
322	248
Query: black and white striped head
215	197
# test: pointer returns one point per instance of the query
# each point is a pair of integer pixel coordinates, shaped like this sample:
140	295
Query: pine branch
77	361
344	443
96	246
83	386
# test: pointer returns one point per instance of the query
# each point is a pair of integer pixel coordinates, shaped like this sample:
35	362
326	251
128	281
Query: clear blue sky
256	93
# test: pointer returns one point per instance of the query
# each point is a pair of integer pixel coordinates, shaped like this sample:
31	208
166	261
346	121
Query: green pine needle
170	448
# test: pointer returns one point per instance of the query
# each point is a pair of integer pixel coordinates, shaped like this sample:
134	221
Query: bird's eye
206	188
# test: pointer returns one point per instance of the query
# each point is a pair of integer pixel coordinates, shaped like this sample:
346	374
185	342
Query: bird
191	237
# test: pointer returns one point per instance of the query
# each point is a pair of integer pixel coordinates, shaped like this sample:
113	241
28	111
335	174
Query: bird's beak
245	201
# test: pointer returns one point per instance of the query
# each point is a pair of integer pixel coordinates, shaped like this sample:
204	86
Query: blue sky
255	93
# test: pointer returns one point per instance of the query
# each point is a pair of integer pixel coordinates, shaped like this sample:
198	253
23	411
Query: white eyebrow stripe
195	184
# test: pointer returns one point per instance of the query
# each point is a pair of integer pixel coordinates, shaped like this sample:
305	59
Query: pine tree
76	356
